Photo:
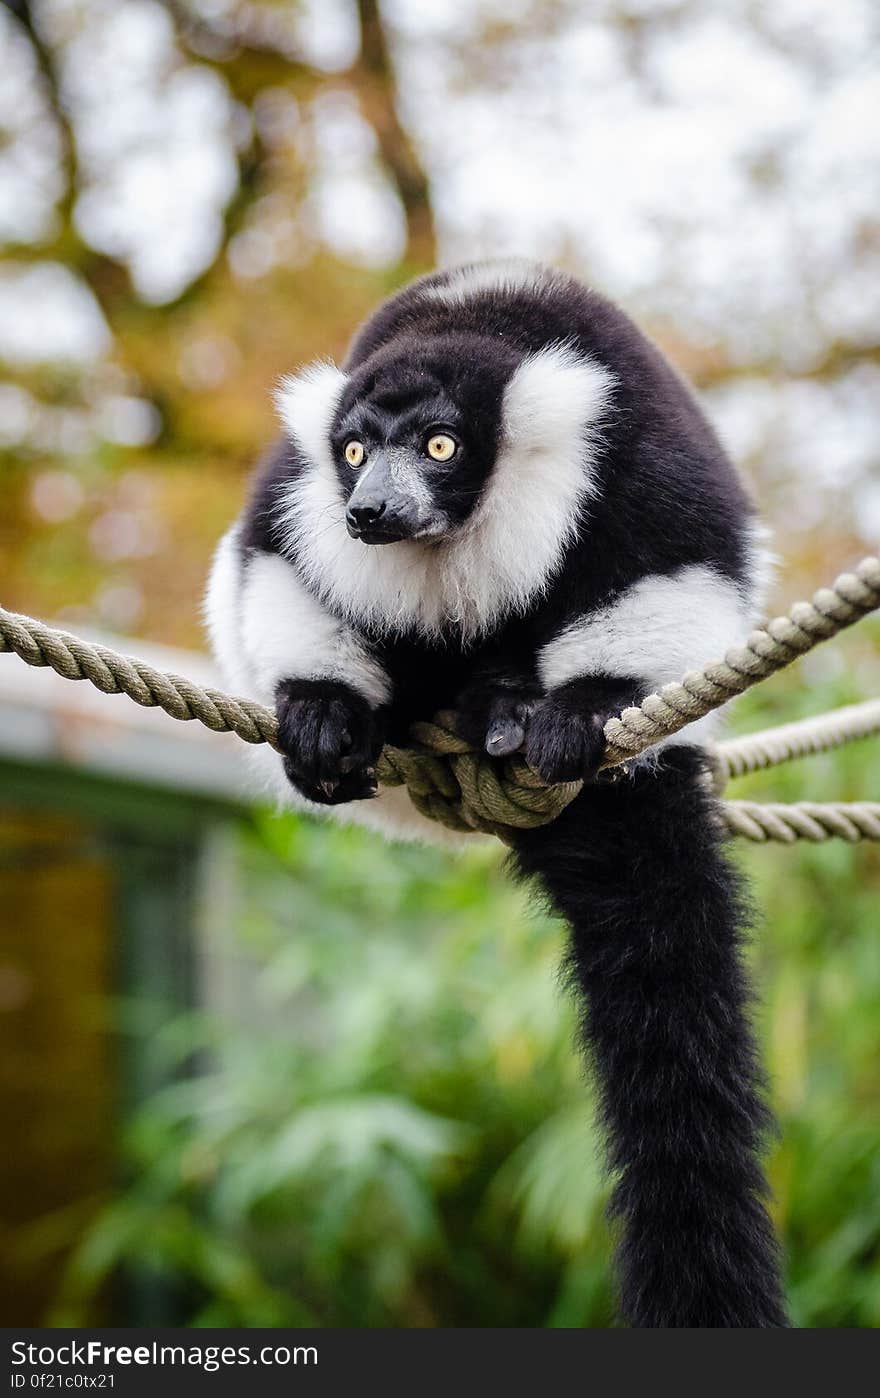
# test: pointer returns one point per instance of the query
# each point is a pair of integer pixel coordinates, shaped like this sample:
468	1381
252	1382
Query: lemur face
414	441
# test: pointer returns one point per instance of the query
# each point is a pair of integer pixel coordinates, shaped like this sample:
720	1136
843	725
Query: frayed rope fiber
465	790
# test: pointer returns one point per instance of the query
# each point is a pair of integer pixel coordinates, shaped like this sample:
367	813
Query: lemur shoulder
507	502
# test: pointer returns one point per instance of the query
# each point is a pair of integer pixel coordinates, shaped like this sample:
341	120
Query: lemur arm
585	670
651	633
277	643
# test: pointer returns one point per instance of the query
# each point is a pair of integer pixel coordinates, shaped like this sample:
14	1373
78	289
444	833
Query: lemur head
472	454
415	437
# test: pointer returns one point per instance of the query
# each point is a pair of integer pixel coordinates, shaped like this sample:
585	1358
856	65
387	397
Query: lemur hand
566	740
565	744
330	738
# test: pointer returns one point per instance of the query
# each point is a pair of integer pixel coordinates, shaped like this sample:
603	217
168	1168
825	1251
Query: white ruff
306	404
505	554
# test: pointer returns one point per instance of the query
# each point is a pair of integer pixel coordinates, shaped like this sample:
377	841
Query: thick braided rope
113	673
803	820
769	748
471	793
448	780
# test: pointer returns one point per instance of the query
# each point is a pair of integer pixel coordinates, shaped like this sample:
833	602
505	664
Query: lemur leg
495	708
657	915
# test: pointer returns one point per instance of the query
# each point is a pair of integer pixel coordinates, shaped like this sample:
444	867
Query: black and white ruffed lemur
507	502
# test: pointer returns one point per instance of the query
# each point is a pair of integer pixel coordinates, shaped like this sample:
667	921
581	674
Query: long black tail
657	916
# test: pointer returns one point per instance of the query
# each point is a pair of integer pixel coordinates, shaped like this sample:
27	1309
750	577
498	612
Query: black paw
330	739
495	717
565	743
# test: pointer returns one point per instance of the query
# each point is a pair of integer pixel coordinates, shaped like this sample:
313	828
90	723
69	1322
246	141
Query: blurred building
112	863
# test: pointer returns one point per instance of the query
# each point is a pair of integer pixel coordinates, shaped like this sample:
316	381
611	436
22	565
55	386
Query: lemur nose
366	514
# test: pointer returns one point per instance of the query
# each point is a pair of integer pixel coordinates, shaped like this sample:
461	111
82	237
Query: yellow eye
354	454
441	447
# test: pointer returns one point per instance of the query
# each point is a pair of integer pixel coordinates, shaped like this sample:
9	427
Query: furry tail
657	916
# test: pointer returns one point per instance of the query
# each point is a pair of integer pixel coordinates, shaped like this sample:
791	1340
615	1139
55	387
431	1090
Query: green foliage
389	1126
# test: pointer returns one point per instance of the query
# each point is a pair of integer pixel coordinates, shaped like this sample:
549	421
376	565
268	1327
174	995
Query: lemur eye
354	453
441	447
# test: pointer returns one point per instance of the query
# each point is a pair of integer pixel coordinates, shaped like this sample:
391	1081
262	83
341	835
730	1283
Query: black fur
407	388
657	917
636	864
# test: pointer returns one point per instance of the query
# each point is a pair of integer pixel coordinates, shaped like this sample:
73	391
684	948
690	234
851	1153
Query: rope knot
451	782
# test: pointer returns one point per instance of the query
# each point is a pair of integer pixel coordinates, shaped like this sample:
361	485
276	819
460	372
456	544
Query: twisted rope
112	673
803	820
453	783
755	751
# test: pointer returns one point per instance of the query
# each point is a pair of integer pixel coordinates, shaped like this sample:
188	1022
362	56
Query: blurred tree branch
374	81
253	51
710	369
107	278
252	48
